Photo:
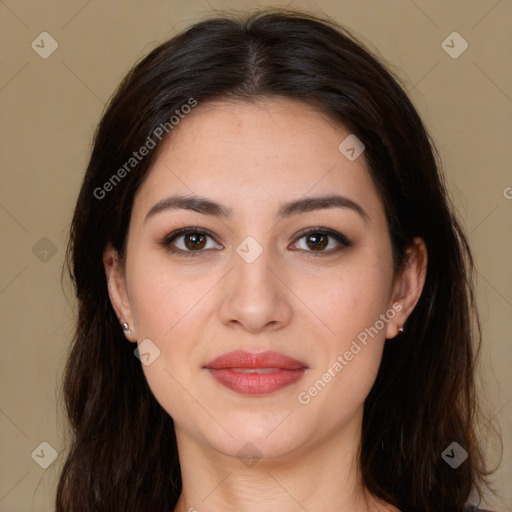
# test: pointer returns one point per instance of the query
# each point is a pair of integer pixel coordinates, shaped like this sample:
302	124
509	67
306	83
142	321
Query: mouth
256	373
255	370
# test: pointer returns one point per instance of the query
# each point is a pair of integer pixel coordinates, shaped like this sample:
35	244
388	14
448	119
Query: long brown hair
123	453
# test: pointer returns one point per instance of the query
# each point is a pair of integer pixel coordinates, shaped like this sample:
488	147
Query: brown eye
317	241
194	241
190	242
314	241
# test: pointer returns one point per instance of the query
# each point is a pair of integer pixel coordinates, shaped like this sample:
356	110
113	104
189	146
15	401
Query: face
267	270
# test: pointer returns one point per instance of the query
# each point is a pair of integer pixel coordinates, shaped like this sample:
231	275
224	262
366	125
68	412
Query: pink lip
287	371
242	359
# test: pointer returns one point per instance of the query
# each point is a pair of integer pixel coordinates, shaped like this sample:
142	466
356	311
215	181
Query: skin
251	158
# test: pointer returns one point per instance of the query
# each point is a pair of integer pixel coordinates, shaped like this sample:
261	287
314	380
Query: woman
263	218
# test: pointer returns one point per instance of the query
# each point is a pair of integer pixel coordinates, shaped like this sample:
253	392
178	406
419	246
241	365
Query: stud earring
401	329
126	329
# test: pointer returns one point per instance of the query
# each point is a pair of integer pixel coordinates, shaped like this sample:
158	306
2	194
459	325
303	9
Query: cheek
350	350
350	299
160	300
168	312
353	303
171	391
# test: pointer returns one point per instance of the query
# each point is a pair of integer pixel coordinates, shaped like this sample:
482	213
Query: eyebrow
304	205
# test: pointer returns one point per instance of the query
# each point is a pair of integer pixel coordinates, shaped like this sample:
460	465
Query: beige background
51	106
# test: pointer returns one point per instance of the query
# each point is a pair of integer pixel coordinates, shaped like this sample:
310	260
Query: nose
254	297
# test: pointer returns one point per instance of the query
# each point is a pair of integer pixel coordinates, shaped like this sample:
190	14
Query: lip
271	371
242	359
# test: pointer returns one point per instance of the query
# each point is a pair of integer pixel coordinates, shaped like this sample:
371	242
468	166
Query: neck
322	477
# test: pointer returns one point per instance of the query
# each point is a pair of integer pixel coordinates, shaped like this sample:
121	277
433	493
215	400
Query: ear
409	285
116	284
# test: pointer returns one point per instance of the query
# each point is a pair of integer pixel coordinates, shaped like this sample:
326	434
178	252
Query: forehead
257	155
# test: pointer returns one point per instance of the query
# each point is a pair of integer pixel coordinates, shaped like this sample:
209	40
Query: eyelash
339	237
